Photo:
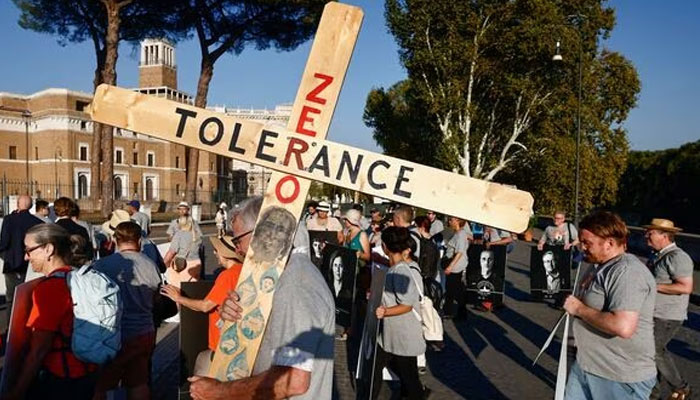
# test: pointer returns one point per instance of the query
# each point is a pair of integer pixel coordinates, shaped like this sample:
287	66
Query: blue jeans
584	386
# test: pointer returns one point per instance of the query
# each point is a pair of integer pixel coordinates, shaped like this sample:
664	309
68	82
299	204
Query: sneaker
422	370
341	337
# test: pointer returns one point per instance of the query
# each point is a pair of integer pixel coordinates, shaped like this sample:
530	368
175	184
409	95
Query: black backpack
428	258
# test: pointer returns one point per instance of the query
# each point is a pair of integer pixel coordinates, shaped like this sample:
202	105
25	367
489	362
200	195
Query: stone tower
157	67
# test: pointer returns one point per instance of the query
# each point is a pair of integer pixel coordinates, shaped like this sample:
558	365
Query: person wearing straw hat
225	250
673	270
183	210
322	222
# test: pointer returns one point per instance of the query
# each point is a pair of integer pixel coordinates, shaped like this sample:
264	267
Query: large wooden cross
300	154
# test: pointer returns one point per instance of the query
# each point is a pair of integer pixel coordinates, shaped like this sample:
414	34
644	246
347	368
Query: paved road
488	356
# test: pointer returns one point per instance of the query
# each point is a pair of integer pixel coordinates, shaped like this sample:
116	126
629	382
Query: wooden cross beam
300	154
376	174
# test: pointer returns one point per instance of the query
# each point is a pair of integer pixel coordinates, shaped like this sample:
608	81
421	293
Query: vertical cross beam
284	201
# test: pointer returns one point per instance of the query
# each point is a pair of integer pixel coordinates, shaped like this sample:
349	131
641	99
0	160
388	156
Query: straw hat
353	216
224	247
662	225
118	216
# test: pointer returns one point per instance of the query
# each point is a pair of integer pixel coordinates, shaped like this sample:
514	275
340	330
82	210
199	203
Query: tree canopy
483	96
663	184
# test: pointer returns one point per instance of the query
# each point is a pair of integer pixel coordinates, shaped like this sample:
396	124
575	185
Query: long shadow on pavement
530	330
497	337
455	369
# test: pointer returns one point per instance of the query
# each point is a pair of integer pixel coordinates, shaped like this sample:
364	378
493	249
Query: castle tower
157	67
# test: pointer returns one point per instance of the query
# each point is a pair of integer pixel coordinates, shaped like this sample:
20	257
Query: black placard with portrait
486	273
339	268
550	272
317	241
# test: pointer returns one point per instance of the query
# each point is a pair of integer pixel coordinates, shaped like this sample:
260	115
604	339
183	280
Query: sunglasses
27	251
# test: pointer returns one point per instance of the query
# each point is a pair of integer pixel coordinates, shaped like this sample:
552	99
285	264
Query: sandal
680	394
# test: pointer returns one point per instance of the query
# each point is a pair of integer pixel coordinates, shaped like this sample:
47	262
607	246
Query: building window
177	163
36	153
117	187
83	125
83	152
118	156
150	195
80	105
177	190
82	186
13	152
136	158
136	188
150	159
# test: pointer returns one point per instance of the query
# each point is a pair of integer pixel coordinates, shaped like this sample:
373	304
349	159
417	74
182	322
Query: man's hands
380	312
572	305
207	388
540	246
231	310
567	246
171	292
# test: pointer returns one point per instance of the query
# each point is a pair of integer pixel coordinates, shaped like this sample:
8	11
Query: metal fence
160	199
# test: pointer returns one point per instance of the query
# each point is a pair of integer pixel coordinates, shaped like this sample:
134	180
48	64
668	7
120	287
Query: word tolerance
276	148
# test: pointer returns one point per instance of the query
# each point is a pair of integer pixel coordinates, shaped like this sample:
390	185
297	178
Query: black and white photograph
339	266
485	273
318	240
550	272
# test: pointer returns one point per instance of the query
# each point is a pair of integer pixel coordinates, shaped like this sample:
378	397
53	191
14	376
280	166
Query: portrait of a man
319	240
550	272
485	273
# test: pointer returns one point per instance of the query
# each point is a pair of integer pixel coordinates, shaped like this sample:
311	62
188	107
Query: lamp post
578	21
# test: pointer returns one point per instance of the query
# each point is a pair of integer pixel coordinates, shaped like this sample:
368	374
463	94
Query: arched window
149	189
118	187
82	186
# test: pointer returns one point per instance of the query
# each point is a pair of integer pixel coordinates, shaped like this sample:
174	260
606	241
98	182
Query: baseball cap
135	204
183	204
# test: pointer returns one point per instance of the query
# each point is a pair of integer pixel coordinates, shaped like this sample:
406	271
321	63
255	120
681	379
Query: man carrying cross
296	356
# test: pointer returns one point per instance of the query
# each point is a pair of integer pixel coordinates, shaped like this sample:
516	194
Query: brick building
45	139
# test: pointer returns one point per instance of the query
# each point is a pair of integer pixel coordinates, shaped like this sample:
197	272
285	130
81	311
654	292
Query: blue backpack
97	312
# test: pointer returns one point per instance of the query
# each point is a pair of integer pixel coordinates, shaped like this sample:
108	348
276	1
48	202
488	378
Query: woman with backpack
50	369
401	338
182	259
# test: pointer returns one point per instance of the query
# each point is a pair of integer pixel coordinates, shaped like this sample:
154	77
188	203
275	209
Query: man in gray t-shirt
295	359
673	270
613	309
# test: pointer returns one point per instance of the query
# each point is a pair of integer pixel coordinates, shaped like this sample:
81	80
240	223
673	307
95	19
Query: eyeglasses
29	250
237	240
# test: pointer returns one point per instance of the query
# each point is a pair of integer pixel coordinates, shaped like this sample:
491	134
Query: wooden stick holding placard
311	115
375	174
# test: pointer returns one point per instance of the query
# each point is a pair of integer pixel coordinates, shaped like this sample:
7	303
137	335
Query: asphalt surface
487	356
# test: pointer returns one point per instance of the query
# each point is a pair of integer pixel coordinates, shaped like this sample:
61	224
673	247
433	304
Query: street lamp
577	20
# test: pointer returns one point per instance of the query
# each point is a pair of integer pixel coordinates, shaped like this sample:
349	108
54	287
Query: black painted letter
347	162
370	172
264	143
400	179
321	161
234	140
219	131
184	115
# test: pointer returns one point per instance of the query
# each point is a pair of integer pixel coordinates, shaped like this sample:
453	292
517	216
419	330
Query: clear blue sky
659	37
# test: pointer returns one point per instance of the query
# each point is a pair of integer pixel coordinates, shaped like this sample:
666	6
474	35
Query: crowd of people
625	313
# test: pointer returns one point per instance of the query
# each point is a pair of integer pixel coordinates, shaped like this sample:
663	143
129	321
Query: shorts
131	367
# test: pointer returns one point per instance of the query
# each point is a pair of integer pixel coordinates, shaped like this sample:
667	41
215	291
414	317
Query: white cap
183	204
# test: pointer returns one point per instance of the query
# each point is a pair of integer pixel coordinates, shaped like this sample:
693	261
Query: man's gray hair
247	212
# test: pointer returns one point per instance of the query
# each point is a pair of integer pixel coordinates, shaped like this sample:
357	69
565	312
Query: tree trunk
205	74
96	150
109	76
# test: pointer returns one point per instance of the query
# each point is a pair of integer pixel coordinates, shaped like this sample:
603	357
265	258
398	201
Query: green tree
105	23
481	76
228	26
